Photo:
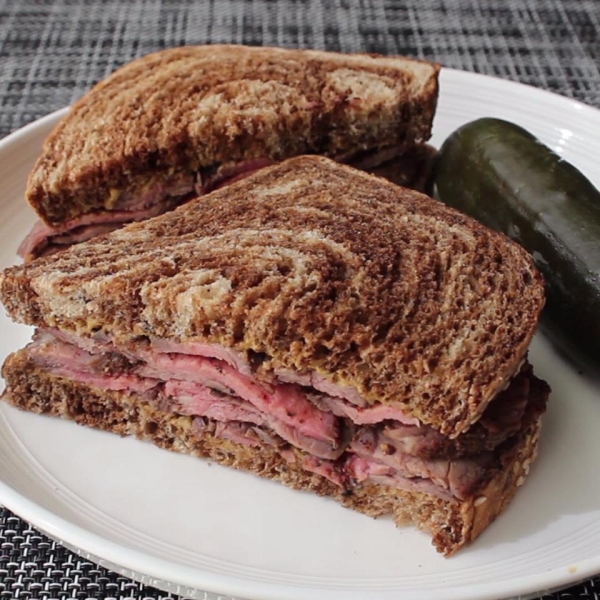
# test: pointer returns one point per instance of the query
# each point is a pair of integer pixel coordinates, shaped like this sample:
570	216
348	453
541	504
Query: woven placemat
52	52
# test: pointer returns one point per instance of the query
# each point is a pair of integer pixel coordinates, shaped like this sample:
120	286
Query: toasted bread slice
313	267
452	523
169	114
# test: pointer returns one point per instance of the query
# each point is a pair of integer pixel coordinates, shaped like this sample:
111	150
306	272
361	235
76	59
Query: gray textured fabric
51	52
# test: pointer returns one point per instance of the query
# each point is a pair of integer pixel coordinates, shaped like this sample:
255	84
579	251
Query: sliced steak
506	414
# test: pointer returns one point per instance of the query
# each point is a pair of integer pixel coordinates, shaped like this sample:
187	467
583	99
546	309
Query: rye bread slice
184	109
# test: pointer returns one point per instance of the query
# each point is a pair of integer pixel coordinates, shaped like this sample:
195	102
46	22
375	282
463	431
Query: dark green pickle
504	177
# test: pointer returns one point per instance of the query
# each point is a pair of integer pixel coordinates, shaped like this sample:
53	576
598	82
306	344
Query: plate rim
59	528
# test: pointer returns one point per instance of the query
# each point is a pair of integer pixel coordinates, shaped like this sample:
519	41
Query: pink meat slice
336	398
458	476
345	401
199	400
340	400
204	387
81	229
322	384
232	358
99	344
371	414
68	360
285	402
362	469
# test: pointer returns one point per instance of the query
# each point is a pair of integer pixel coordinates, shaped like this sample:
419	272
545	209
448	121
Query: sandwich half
182	122
312	324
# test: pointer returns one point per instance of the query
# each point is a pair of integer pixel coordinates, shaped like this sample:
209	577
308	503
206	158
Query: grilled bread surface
200	106
314	267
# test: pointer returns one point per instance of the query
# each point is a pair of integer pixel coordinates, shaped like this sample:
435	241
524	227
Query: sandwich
182	122
312	324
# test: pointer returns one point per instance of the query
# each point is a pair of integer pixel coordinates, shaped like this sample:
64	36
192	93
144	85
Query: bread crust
315	267
451	523
201	106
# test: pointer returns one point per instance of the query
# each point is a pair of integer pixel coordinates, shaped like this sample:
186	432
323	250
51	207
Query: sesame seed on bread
319	268
187	108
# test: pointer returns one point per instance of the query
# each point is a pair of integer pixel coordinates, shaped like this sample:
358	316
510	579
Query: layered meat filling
311	422
411	169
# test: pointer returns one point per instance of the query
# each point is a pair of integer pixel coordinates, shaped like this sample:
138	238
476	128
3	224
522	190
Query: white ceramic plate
189	526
